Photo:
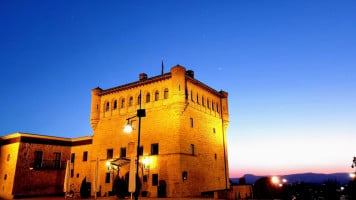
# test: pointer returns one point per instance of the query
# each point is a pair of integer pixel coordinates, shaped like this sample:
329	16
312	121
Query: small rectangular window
192	149
154	179
72	173
213	130
85	156
217	107
72	158
123	152
145	178
154	149
57	160
109	153
107	177
37	163
191	122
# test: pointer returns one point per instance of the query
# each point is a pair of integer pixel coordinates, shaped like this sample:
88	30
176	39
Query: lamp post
128	129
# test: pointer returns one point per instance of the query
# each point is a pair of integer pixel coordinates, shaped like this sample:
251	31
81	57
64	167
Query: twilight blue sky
289	68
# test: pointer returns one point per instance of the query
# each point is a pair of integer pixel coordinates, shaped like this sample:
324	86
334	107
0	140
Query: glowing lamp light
145	161
352	175
284	180
280	185
128	128
275	180
108	163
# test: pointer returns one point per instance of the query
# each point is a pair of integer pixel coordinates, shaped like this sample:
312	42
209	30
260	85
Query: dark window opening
208	103
107	178
130	101
123	152
192	149
185	175
212	105
213	130
57	160
38	160
72	173
122	103
191	122
217	107
191	95
202	101
115	104
109	153
197	98
154	149
156	95
85	156
154	179
148	97
72	158
215	156
8	157
5	177
77	175
166	93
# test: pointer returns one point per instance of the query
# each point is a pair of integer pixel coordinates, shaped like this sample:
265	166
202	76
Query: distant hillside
342	178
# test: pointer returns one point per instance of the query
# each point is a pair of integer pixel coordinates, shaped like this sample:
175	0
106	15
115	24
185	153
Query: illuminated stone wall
8	160
168	123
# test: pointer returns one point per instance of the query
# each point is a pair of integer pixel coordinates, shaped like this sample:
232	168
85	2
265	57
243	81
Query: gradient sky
289	68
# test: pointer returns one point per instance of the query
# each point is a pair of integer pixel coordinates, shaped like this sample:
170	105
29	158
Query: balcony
49	165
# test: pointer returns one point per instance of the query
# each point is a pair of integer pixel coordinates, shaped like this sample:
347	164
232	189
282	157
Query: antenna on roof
162	65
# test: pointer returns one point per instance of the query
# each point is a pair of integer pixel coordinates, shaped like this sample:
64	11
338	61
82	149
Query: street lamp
128	129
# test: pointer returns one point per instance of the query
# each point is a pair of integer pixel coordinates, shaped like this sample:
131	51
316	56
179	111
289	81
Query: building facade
183	137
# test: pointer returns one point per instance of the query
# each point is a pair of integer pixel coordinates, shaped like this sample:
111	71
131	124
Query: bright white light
128	128
280	185
284	180
275	180
108	163
342	188
352	175
145	161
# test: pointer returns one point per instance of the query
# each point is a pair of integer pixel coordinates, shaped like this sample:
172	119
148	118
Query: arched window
156	95
130	101
197	98
191	95
166	93
202	101
115	104
217	107
208	103
212	105
148	97
107	107
122	102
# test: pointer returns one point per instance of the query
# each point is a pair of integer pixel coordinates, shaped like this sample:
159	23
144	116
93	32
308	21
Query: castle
182	142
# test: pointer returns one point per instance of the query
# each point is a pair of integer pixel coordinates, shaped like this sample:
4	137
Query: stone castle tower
183	136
